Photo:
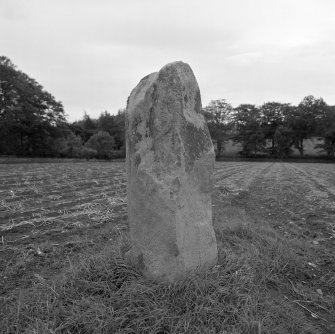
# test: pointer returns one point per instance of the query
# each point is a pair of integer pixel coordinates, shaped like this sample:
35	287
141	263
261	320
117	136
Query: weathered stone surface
170	162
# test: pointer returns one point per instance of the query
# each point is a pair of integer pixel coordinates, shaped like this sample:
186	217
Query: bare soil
51	212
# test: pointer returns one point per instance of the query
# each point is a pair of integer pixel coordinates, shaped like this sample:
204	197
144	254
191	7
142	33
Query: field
63	236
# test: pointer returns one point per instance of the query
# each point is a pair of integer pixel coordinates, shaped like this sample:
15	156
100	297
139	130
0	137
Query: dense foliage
30	117
273	129
33	123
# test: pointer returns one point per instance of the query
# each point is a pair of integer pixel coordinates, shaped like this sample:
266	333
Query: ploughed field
54	214
49	212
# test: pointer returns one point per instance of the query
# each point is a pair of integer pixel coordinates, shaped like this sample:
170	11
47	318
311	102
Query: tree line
273	129
33	123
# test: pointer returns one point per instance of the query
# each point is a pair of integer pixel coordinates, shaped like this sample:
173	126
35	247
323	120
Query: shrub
88	153
103	143
69	146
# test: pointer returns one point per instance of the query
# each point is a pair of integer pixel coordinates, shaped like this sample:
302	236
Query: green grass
260	285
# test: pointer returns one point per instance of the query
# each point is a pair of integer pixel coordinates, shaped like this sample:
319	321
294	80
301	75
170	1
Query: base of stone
137	263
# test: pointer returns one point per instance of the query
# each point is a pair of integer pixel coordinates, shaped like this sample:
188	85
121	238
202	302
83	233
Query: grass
266	280
253	289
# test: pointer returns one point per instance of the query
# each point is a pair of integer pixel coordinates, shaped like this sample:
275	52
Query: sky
90	54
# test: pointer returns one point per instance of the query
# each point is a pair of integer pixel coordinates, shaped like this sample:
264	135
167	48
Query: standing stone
170	162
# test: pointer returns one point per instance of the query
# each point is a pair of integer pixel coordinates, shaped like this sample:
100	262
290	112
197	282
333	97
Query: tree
326	132
119	130
103	143
219	120
30	117
249	133
328	144
283	138
106	122
85	128
304	118
114	125
273	116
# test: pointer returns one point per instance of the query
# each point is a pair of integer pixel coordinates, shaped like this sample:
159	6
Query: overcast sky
91	53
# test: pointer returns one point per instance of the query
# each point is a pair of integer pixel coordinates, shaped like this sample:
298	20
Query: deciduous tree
304	118
30	117
219	119
249	132
326	132
273	117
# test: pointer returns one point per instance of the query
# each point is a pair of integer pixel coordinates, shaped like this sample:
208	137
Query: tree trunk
21	143
218	148
273	146
301	148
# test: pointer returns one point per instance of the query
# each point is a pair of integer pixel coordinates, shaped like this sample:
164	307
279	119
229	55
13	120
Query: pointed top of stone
177	63
177	80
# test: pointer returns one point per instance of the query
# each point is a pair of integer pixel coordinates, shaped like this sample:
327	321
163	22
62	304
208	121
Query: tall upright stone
170	162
